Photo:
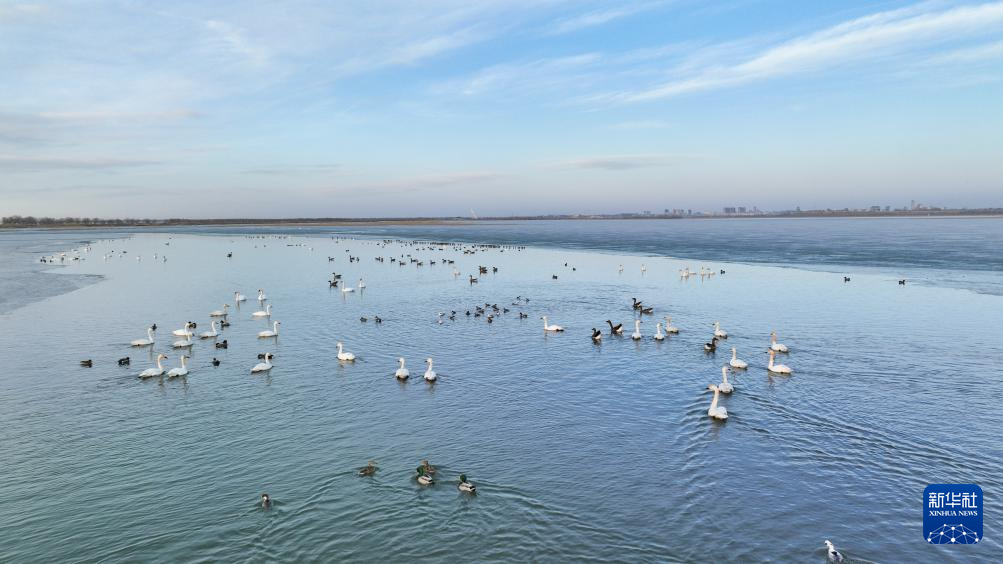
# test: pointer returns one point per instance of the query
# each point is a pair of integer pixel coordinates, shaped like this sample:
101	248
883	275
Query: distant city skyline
505	107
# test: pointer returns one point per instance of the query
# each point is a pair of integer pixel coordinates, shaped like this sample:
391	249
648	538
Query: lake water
579	452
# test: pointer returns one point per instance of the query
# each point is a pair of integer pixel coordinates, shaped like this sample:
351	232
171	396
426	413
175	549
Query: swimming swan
273	333
547	327
220	312
774	345
181	371
342	355
186	332
736	362
261	295
211	333
267	312
718	332
144	342
158	371
777	368
430	374
402	373
669	328
263	366
636	335
833	554
715	411
659	336
238	297
725	386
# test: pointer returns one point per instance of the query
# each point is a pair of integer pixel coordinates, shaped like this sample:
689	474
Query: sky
506	107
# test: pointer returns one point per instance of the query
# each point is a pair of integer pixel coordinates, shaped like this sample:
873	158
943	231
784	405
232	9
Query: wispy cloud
624	162
867	38
18	163
234	40
599	17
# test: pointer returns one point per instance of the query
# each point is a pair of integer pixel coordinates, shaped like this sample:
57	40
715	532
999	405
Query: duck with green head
465	486
423	477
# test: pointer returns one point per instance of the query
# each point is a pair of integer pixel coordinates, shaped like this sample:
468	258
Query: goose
725	386
183	343
636	304
465	486
615	329
144	342
369	469
777	368
548	327
715	411
736	362
402	373
220	312
273	333
361	284
774	345
711	346
718	332
596	335
87	363
180	371
263	366
238	297
659	336
186	332
261	295
636	335
423	477
158	371
833	554
211	333
430	374
267	312
669	328
342	355
647	310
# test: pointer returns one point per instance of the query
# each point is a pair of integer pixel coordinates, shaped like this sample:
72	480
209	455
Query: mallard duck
369	469
465	486
429	469
423	478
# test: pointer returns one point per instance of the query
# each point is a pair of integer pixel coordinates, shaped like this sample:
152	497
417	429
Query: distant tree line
32	221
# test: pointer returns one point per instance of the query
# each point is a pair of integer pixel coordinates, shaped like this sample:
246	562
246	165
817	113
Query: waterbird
718	332
223	344
902	282
725	386
87	363
402	373
549	327
342	355
144	342
423	477
215	361
596	335
267	312
158	371
465	486
185	332
774	345
124	361
777	368
369	469
430	374
659	336
846	279
711	346
183	343
669	328
220	312
615	329
361	284
261	295
736	362
715	411
266	501
833	554
263	366
238	297
636	335
212	333
179	371
273	333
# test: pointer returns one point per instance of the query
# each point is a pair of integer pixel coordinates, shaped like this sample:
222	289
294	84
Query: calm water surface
580	452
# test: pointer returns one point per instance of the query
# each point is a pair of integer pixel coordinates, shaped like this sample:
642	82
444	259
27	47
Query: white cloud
625	162
599	17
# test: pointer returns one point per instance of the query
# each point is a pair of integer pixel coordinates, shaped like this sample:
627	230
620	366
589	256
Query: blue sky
404	108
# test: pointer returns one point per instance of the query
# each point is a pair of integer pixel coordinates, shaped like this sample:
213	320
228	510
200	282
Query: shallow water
579	452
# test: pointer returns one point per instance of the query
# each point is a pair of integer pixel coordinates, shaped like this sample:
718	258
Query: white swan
261	295
725	386
186	332
430	374
774	345
347	289
238	297
144	342
402	373
263	366
718	332
736	362
548	327
659	336
220	312
211	333
715	411
183	343
669	328
342	355
273	333
636	335
267	312
361	284
777	368
158	371
180	371
832	553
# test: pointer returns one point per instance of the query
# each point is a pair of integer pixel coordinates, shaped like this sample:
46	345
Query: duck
87	363
596	335
273	333
181	370
423	477
402	373
186	332
144	342
718	332
716	411
465	486
777	368
430	374
833	554
220	312
212	333
369	469
615	329
711	346
158	371
267	312
124	361
669	328
238	297
549	327
266	501
736	362
659	336
342	355
183	343
263	366
725	386
774	345
636	335
261	295
215	361
429	469
222	344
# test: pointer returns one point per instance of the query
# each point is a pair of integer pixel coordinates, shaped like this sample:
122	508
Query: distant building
729	210
741	209
875	208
